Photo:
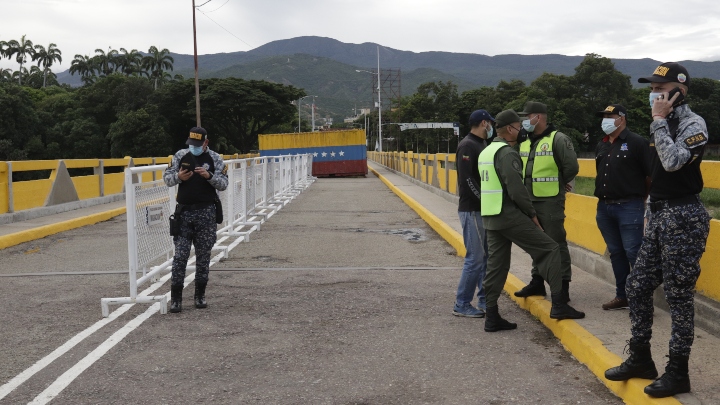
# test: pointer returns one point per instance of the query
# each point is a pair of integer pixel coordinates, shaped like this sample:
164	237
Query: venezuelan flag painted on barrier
341	153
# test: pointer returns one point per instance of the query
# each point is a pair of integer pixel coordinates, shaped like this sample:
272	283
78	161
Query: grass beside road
709	196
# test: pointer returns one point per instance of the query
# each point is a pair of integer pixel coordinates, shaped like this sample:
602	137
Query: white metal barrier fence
257	189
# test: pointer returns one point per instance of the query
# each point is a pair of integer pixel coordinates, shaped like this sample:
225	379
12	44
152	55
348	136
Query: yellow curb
47	230
450	235
582	344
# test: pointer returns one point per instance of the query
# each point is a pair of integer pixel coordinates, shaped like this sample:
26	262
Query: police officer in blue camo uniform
675	236
199	173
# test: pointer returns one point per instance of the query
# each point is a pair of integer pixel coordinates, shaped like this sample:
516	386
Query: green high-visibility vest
545	173
491	191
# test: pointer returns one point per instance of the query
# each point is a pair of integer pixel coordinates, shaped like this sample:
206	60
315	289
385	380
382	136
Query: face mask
489	130
528	126
653	97
522	136
608	125
196	150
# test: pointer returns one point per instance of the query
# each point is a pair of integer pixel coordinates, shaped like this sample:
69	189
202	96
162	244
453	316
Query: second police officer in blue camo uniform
675	236
198	172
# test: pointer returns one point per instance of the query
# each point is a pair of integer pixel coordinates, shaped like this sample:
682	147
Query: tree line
155	65
117	116
572	102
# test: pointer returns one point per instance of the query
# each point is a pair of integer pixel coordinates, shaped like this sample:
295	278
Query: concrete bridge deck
344	296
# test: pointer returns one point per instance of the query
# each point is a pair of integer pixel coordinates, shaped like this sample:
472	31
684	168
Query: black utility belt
195	207
620	200
660	205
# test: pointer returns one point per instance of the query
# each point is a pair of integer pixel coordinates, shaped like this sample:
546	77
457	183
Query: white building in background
358	113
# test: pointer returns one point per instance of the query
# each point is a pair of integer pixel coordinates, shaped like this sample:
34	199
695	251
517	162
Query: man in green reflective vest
509	217
549	165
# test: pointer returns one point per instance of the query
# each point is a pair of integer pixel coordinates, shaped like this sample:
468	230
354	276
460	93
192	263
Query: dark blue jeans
621	226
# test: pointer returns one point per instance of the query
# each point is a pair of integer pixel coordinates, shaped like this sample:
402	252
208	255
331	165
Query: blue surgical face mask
608	125
529	127
489	130
196	150
653	97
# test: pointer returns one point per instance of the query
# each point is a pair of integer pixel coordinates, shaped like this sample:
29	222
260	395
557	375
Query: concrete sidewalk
599	339
14	230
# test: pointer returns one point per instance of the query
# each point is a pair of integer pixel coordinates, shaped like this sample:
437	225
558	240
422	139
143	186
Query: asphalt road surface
343	297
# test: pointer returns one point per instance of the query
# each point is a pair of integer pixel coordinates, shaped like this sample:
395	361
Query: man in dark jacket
466	162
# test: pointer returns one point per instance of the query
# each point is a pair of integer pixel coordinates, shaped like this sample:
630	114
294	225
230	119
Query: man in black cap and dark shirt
675	236
198	172
466	162
621	187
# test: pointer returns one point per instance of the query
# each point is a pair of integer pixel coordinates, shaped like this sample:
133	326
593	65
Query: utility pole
197	82
379	102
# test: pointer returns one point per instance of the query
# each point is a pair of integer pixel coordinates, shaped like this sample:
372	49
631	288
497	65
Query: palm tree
6	75
22	49
84	66
130	63
106	62
46	58
18	74
157	62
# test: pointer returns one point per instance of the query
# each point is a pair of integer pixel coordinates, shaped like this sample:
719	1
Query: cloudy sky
657	29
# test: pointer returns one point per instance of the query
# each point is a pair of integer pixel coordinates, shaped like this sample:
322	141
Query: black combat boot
675	380
566	290
493	321
176	298
536	286
200	295
639	365
561	310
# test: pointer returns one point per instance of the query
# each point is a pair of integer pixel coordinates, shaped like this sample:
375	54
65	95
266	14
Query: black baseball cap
668	72
197	136
613	109
479	115
507	117
533	107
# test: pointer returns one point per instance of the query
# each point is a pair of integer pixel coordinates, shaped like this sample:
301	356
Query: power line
226	30
226	2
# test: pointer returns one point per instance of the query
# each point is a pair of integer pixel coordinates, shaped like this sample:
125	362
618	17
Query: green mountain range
327	68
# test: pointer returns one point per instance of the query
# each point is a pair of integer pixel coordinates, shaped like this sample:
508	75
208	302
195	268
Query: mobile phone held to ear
679	100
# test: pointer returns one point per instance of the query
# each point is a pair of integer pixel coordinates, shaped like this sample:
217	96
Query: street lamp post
313	106
379	99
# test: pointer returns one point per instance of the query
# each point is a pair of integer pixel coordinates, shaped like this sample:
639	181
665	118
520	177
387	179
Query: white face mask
608	125
653	97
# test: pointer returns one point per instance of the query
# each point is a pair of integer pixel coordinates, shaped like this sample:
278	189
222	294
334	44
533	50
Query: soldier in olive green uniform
549	164
509	217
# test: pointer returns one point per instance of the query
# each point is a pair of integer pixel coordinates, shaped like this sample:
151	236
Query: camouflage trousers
671	249
197	228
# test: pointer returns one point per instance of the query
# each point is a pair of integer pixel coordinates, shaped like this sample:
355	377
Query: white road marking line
16	381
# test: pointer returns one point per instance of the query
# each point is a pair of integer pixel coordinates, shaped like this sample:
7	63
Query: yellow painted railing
22	195
580	210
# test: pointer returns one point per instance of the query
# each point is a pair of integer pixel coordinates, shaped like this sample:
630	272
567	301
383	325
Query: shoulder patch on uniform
569	144
224	170
465	157
695	140
516	165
